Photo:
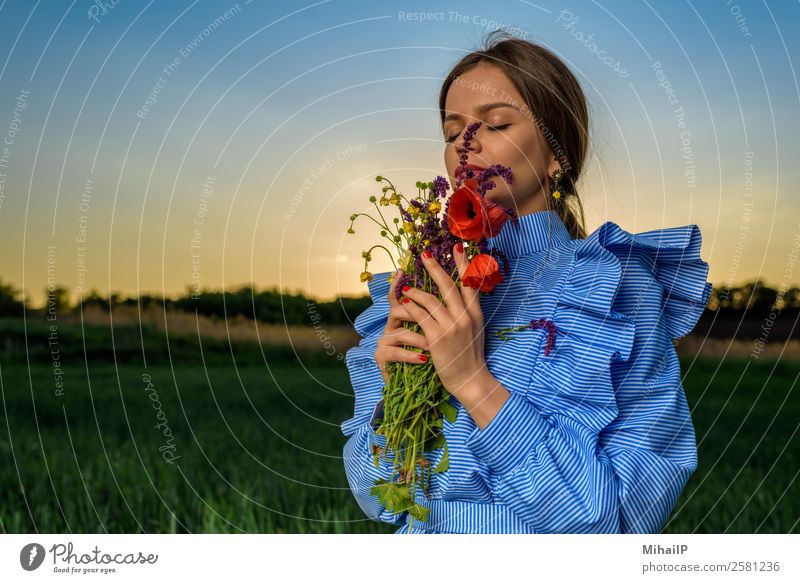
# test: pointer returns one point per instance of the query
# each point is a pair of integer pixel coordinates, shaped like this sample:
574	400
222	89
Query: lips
460	170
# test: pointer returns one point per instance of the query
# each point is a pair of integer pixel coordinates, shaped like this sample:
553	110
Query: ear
553	166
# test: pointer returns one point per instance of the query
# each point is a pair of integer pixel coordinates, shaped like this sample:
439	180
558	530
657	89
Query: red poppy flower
465	214
471	217
483	272
496	215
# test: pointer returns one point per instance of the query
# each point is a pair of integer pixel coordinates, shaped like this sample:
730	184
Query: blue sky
254	98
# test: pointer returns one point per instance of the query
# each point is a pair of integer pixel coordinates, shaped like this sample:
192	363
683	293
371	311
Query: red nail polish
406	288
423	358
406	300
460	247
427	254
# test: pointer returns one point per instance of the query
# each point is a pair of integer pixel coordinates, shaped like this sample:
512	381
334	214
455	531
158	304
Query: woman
578	424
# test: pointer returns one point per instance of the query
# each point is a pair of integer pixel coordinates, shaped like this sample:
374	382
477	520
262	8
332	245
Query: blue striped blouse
596	436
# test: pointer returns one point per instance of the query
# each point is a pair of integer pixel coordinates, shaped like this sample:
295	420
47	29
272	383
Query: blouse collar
530	233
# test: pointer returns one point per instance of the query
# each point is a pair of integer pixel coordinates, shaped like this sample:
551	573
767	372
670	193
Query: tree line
273	306
268	306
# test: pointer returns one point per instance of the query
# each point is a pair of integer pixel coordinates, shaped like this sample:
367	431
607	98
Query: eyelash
491	128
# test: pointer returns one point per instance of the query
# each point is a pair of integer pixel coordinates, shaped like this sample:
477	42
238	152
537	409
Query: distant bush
268	306
9	304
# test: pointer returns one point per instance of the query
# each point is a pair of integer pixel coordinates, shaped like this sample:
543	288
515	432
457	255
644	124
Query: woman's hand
454	329
395	336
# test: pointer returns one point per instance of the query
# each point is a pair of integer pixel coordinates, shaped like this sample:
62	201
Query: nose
473	147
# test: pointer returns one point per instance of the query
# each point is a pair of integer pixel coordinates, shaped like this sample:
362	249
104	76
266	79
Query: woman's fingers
470	295
397	354
447	287
390	348
427	311
401	337
397	312
397	315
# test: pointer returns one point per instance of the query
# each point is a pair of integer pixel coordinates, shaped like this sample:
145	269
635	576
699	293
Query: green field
260	449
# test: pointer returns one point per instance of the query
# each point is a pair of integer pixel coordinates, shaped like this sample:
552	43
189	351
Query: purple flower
551	332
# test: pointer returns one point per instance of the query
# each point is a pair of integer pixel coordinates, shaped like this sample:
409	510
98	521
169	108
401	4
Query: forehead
482	85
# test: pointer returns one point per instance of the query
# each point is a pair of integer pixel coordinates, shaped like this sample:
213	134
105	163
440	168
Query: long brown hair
557	103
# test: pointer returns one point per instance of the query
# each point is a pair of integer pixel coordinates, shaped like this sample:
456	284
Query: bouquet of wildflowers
415	402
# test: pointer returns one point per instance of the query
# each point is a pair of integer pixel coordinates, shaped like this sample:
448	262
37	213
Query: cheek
527	160
450	161
523	148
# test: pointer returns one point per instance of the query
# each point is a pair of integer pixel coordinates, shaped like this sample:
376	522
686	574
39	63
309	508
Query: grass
257	453
260	448
746	417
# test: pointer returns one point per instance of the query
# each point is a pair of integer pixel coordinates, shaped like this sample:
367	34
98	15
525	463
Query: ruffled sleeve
367	383
588	449
651	444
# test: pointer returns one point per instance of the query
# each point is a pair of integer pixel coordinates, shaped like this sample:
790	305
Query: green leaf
398	498
419	511
379	490
394	496
444	463
448	410
437	441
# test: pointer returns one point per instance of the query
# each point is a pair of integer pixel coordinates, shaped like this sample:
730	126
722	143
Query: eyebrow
481	109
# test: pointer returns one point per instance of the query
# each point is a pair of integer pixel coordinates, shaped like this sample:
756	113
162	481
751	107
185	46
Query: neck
533	203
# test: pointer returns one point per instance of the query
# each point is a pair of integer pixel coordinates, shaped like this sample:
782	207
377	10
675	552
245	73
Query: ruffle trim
575	378
677	266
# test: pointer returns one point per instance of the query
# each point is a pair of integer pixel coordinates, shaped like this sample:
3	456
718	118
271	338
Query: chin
501	196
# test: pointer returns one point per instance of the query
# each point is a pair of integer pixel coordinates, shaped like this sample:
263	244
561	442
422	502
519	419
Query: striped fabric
596	436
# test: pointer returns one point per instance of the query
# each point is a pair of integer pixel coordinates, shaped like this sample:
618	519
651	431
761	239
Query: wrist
483	397
481	386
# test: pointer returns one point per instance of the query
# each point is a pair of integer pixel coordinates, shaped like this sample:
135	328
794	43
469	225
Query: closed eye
498	128
491	129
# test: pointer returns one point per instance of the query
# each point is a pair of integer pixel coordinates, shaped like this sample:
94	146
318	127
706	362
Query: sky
160	147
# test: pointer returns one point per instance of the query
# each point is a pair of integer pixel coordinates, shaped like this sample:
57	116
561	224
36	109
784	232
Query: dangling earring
557	175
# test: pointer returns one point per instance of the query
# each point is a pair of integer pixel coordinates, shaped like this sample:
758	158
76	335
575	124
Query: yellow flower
413	211
434	206
394	199
408	227
384	201
426	242
366	276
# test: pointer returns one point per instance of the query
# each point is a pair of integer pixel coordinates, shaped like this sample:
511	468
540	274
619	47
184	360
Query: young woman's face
508	136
